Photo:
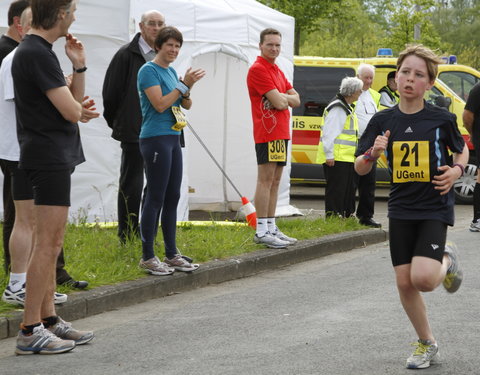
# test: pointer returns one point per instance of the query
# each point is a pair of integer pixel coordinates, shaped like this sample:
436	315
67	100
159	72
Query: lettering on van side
307	123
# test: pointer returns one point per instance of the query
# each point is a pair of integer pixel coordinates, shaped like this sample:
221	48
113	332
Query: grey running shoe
155	267
454	277
181	264
270	241
18	297
42	341
424	355
475	226
282	236
65	331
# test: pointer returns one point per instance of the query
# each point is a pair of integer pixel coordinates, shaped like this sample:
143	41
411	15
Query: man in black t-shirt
471	121
47	114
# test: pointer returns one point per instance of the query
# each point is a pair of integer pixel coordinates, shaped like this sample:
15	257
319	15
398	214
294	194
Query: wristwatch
80	70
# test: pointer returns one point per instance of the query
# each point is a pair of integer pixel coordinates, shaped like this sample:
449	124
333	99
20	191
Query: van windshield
317	86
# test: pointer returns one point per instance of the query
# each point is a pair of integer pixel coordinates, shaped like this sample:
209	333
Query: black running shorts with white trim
409	238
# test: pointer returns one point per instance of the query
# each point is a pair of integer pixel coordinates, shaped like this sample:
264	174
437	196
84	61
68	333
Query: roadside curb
105	298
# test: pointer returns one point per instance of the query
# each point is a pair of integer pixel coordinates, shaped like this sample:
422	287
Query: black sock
50	321
476	202
28	330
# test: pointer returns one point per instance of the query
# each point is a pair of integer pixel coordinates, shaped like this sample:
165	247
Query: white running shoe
475	226
282	236
424	355
271	241
18	297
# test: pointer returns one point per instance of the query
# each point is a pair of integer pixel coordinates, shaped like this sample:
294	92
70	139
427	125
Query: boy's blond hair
425	53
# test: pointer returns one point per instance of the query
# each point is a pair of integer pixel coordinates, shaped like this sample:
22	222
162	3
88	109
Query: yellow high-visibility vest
345	144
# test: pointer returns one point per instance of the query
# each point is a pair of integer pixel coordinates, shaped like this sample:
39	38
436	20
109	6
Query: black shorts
272	152
409	238
21	186
50	188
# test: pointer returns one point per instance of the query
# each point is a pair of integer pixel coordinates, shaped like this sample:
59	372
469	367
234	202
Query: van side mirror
443	101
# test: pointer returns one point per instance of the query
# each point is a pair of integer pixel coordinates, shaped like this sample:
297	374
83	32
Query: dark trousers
366	193
340	190
163	167
8	212
130	190
9	220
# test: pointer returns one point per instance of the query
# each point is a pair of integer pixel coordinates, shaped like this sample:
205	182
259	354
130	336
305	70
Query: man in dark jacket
122	113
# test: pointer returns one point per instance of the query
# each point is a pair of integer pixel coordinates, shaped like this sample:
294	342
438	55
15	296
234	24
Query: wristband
462	168
182	87
367	156
80	70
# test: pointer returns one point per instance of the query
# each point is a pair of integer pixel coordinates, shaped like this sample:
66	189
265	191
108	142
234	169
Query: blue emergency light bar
384	52
452	59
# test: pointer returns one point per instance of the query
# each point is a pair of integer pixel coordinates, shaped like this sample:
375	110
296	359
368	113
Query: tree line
357	28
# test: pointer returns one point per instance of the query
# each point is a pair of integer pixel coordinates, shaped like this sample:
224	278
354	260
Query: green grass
95	254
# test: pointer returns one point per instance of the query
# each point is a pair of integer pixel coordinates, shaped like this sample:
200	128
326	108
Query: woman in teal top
161	96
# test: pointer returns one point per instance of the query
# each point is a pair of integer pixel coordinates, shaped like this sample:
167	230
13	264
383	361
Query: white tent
220	36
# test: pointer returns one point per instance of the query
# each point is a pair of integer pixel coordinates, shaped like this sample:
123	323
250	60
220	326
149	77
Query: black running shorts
52	187
272	152
409	238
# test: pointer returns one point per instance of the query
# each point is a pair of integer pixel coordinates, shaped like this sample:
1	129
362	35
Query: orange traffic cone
250	213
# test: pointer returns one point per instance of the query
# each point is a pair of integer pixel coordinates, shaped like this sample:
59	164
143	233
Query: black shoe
75	284
370	223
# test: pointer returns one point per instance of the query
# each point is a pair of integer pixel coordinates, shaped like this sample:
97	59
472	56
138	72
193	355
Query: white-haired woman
336	150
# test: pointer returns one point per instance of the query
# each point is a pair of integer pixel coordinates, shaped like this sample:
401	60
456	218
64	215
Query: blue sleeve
147	77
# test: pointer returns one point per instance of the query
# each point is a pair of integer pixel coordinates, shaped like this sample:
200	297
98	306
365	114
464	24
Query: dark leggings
163	169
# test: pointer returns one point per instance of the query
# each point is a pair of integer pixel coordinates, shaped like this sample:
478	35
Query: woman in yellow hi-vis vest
336	150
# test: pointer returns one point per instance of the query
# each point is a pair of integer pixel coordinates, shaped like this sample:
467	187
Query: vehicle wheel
464	186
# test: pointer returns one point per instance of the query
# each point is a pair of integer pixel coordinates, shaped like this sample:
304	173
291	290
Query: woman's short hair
166	33
350	85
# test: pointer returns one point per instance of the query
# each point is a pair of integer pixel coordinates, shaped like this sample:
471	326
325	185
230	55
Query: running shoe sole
27	351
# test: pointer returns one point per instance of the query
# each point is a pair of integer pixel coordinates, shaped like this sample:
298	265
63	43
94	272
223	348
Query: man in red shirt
270	95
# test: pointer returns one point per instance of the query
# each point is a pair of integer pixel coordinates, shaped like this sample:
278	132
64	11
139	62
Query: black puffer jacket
120	96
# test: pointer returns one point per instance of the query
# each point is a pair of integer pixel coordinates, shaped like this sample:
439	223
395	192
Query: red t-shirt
268	124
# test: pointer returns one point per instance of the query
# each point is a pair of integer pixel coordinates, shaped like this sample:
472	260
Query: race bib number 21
411	161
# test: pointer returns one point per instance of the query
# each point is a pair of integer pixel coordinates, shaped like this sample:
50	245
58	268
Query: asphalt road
335	315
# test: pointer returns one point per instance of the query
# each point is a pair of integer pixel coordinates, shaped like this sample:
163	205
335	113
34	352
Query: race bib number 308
411	161
277	151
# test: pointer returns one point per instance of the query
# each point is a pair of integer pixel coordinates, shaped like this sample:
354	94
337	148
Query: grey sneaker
65	331
424	355
18	297
270	241
155	267
42	341
179	263
454	277
475	226
282	236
